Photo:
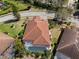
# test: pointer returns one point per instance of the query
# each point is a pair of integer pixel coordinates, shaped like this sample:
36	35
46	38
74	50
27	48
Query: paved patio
29	57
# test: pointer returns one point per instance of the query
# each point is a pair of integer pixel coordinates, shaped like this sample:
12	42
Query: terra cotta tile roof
37	31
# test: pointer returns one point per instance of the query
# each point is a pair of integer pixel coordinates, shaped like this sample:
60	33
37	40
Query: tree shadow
10	21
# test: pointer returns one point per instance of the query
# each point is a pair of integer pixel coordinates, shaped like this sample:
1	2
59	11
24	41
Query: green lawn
20	5
7	8
5	11
12	28
55	34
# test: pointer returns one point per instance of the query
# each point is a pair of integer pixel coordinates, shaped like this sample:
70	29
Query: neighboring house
36	36
71	3
1	3
68	47
6	44
76	15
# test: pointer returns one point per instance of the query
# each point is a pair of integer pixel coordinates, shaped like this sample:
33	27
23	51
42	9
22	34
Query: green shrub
19	48
51	24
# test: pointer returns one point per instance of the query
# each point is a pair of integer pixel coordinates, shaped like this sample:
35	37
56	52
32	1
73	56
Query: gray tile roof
69	44
5	42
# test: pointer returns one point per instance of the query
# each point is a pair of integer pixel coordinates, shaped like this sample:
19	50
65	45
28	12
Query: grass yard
55	34
20	6
5	11
12	28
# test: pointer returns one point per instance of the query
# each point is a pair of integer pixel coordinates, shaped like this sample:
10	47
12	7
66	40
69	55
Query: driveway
7	17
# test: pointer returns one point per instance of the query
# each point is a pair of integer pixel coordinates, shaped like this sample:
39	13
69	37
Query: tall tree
58	3
62	11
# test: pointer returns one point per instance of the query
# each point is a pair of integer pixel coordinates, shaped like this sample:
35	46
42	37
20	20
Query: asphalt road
7	17
29	13
10	16
75	21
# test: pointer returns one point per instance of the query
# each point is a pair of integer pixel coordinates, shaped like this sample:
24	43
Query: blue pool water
37	49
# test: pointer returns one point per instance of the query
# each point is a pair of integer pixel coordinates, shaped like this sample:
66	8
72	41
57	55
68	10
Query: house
6	44
68	47
36	35
1	3
71	3
76	15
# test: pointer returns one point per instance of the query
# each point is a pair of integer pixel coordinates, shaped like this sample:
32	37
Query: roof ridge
36	39
5	42
45	39
32	29
65	46
8	37
42	37
76	45
42	33
69	45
